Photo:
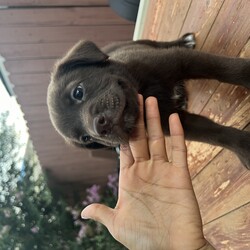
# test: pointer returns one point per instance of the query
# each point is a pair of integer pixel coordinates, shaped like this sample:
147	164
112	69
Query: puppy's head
91	99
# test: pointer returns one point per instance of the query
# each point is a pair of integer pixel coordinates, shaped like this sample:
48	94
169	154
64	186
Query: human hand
157	207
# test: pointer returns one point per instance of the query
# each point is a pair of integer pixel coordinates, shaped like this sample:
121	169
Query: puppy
92	96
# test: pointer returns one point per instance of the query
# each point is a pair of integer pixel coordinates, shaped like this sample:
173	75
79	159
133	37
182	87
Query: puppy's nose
102	125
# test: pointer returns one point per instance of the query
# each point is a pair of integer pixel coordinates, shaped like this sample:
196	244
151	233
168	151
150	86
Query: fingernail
83	216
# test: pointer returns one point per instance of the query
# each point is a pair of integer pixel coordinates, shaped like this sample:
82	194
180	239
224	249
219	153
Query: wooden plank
34	51
230	31
150	20
174	15
32	111
226	103
59	17
89	172
99	34
30	66
200	18
230	231
31	95
222	186
31	99
167	18
30	79
53	3
235	36
200	91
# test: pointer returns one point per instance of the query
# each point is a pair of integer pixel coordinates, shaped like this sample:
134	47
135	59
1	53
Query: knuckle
157	157
178	149
155	137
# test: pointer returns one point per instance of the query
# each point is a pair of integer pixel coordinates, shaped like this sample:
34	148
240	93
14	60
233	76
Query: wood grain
230	31
165	19
230	231
200	17
174	14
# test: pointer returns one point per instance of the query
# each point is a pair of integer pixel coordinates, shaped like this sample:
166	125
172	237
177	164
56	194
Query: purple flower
75	214
113	183
34	229
78	223
93	195
7	213
82	232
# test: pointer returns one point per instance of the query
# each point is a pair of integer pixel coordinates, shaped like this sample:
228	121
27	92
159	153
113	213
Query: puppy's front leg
186	41
199	128
195	65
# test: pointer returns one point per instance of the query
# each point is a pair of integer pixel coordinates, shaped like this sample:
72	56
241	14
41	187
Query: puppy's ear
83	53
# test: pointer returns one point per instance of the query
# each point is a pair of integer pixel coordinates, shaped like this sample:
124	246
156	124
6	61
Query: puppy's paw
246	74
243	152
245	160
189	40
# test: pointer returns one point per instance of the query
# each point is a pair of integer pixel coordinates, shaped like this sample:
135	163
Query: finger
168	148
100	213
126	157
138	141
179	150
155	134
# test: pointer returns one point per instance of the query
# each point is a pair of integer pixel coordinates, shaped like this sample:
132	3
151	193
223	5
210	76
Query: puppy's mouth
116	119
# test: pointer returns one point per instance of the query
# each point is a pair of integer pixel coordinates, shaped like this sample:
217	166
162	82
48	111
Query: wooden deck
221	183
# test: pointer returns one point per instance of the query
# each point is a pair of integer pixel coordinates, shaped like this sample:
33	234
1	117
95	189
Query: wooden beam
98	34
28	3
52	17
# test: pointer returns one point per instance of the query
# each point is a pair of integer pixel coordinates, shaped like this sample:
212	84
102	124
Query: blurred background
44	183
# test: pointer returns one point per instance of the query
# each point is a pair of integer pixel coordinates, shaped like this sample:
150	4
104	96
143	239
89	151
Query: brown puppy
92	97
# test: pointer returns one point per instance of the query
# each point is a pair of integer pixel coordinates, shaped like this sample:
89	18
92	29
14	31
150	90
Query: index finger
179	150
156	138
138	141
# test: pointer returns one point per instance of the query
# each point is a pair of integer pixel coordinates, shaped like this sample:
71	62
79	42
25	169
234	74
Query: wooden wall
221	183
33	34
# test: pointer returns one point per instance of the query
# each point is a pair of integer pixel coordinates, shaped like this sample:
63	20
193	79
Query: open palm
156	208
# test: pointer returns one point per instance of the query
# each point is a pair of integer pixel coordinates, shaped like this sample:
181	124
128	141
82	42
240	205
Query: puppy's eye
78	93
86	138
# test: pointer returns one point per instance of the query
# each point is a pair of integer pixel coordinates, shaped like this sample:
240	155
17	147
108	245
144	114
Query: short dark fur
109	81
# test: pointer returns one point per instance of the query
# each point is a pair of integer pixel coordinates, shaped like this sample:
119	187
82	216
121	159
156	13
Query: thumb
100	213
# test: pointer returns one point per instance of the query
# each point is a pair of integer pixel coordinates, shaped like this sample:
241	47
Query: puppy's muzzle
102	125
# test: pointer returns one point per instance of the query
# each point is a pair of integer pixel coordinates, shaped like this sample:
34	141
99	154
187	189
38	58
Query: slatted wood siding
221	183
33	34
